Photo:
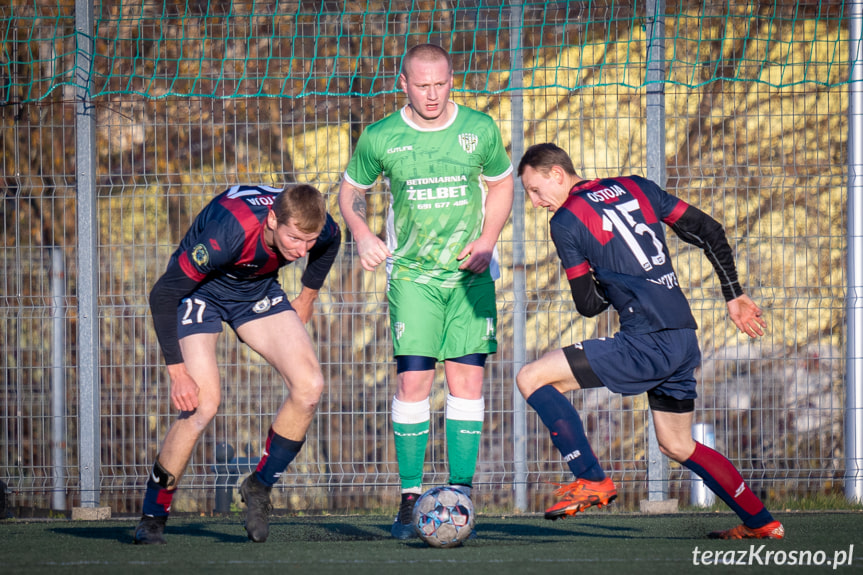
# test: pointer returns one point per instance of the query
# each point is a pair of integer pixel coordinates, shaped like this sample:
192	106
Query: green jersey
437	197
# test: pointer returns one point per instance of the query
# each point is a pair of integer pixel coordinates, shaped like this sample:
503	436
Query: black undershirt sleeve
697	228
588	295
322	255
165	296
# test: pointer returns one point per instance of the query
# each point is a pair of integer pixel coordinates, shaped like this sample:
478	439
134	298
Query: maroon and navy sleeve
322	255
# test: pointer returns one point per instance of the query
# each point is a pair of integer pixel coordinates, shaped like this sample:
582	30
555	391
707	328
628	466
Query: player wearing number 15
226	270
610	237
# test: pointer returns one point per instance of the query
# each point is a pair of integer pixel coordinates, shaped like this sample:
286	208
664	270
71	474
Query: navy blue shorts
201	312
662	363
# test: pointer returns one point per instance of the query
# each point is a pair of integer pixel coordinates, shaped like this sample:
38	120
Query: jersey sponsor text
443	193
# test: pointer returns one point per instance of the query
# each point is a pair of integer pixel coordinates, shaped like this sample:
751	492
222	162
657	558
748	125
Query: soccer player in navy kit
610	237
226	270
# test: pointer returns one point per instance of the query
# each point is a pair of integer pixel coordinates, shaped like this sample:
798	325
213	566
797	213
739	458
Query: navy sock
157	500
279	453
567	432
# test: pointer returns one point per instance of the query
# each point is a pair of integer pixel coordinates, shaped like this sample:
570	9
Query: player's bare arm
352	203
746	315
477	254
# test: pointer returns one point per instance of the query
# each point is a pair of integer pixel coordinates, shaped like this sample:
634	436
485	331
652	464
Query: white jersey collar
412	124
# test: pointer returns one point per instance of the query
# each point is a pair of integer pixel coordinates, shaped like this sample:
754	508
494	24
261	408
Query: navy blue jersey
613	228
224	247
224	255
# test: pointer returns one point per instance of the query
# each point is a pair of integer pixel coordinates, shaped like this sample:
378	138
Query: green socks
411	430
464	418
463	434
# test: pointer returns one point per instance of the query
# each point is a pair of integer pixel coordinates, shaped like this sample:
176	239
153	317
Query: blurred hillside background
193	97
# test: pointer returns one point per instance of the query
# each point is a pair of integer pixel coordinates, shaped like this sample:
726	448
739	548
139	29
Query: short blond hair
304	204
426	53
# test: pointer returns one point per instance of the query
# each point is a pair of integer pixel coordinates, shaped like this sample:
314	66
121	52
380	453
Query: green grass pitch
600	542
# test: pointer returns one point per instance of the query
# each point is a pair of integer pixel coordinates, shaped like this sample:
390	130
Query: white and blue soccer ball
443	517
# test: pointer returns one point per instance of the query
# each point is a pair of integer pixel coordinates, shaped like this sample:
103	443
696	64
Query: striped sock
278	454
157	500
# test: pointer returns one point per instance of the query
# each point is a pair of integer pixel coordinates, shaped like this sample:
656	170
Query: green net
244	48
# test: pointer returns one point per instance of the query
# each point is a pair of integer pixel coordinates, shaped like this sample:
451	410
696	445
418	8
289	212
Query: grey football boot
256	496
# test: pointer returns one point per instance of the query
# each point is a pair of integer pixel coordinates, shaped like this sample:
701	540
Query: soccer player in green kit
451	187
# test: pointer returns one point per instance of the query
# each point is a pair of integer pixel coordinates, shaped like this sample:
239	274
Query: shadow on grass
560	528
125	534
493	530
337	530
487	529
490	530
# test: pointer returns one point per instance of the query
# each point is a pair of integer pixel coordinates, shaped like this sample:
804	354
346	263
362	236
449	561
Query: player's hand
372	252
304	304
184	390
746	315
476	255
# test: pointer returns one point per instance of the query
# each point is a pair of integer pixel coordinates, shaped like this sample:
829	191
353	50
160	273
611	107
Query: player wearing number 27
610	237
451	189
226	270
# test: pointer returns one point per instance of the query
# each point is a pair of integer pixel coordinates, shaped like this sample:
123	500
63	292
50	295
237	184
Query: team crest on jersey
399	329
200	255
262	305
468	142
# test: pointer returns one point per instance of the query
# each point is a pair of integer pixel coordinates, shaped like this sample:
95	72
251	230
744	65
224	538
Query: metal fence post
657	463
88	270
519	408
854	300
58	377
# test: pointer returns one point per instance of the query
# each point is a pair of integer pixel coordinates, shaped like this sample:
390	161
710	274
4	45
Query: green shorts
443	323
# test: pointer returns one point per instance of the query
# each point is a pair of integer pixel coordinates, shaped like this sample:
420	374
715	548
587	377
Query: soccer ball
443	517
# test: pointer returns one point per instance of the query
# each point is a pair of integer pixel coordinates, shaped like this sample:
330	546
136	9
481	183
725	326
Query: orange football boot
579	495
773	530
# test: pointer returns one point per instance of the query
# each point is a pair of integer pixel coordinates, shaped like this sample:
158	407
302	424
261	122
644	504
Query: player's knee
210	402
308	393
677	449
208	410
202	416
527	380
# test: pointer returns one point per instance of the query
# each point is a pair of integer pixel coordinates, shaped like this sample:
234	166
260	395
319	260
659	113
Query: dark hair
426	53
304	204
541	157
